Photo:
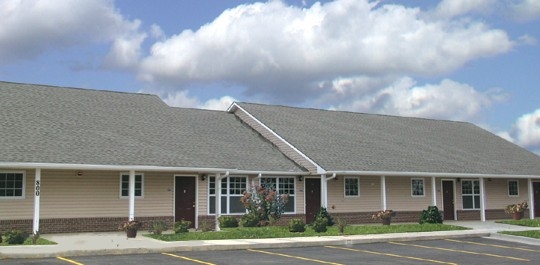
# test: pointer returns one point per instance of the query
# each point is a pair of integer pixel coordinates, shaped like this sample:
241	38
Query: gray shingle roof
347	141
45	124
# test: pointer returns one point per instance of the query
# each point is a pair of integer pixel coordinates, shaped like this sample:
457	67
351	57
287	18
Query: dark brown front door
448	199
313	198
184	199
536	190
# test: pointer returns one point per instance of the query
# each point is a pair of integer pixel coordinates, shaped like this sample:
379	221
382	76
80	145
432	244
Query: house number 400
38	186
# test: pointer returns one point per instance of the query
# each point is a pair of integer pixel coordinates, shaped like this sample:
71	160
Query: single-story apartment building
76	160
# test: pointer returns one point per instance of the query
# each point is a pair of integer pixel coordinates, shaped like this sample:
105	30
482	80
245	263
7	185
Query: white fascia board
109	167
19	165
235	106
428	174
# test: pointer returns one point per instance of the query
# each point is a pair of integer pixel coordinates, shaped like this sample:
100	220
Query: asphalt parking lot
448	251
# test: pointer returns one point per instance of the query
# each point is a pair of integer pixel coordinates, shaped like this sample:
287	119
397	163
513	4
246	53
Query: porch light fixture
79	173
203	177
300	178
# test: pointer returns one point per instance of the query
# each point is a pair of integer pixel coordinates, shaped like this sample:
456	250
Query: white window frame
142	185
228	195
423	187
23	194
517	187
475	207
279	191
345	187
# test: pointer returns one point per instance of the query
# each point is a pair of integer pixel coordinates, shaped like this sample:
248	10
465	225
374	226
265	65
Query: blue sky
475	61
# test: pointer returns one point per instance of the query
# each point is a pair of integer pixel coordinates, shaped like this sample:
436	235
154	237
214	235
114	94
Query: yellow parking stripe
460	251
294	257
190	259
492	245
392	255
70	261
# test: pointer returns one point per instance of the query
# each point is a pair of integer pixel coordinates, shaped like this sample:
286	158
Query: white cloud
31	27
274	49
446	100
525	10
183	99
526	131
452	8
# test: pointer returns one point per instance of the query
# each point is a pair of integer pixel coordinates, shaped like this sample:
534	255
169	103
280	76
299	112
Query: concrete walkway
70	245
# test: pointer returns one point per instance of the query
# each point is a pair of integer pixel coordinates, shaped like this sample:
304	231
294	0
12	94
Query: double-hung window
282	186
417	187
124	185
470	193
232	189
352	187
513	188
11	185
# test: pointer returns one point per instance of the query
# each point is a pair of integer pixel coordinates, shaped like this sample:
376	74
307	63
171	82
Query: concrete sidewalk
116	242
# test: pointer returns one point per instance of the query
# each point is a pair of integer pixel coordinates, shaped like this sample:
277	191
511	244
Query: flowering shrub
517	208
383	214
265	203
130	225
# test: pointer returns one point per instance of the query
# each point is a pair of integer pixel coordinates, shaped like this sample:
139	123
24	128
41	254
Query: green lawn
41	241
283	232
523	222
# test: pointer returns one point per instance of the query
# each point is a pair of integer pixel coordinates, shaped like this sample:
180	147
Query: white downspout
325	192
218	198
37	195
131	195
258	177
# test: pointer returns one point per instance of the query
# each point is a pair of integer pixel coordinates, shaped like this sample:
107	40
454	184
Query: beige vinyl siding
281	145
13	209
94	194
202	195
398	195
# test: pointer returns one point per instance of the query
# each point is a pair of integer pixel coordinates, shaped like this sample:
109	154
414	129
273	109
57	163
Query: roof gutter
428	174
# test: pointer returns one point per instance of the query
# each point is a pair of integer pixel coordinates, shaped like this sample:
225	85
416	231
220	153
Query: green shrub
324	214
320	224
158	227
431	216
15	237
297	226
181	226
250	220
228	221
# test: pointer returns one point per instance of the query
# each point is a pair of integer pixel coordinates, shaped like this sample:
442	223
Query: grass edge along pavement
283	232
523	222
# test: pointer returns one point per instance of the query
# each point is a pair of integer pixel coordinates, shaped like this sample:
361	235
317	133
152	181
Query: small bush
320	224
158	227
228	221
181	226
250	220
15	237
323	213
297	226
431	216
341	224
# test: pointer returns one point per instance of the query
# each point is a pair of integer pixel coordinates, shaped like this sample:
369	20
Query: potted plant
131	228
517	209
384	215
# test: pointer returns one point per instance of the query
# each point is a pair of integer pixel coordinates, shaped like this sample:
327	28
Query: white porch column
433	192
219	178
37	195
482	200
324	192
131	195
383	192
531	198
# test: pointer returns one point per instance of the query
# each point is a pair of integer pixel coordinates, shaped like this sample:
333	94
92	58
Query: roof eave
429	174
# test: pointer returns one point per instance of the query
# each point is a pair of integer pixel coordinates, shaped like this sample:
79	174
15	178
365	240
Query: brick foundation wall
78	225
491	214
